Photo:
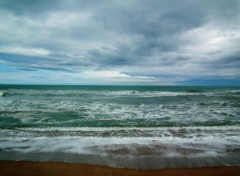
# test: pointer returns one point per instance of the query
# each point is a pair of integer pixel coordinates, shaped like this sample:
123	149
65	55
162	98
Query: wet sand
27	168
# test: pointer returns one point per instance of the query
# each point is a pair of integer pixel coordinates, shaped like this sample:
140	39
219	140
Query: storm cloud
160	42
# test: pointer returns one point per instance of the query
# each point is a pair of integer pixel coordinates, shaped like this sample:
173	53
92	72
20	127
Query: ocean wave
3	94
137	153
8	94
101	114
121	132
198	138
194	90
89	93
119	93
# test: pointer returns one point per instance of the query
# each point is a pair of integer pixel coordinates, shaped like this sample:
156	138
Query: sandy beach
27	168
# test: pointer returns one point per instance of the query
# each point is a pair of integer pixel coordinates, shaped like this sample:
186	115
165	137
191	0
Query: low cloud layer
150	42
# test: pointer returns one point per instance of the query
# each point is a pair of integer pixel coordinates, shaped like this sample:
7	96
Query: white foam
173	114
133	93
149	93
2	94
230	133
213	142
83	144
196	128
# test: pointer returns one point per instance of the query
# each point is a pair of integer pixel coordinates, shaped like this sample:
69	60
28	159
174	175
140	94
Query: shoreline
29	168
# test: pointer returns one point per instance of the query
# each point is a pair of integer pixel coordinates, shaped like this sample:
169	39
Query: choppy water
137	125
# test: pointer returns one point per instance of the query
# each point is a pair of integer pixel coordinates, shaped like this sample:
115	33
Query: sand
27	168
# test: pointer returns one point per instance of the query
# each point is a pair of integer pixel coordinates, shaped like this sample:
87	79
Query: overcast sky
133	42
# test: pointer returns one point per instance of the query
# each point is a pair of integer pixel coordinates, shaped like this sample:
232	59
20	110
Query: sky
120	42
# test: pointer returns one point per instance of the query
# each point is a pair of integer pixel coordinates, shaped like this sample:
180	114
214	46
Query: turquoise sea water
117	121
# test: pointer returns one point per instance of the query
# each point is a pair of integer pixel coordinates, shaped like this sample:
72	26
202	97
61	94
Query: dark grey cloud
229	62
159	39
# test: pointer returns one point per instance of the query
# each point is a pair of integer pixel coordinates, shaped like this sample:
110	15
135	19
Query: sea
140	127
